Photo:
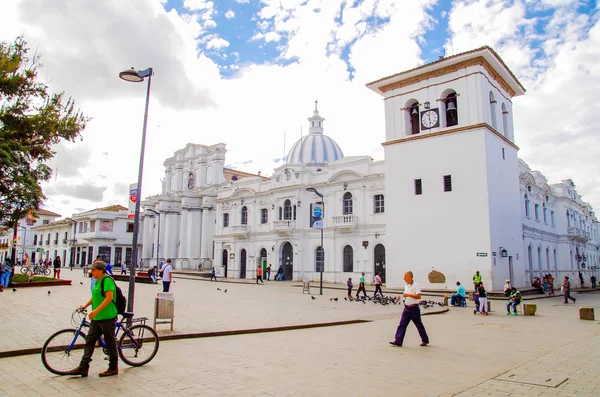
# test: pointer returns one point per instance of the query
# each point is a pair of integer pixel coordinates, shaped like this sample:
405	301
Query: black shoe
78	371
424	344
109	372
395	344
574	300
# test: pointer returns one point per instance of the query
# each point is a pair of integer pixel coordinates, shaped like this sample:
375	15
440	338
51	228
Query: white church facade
451	196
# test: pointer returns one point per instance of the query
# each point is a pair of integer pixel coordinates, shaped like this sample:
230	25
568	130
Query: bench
528	309
586	313
140	277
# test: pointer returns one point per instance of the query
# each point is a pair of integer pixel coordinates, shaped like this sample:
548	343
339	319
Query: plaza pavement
469	355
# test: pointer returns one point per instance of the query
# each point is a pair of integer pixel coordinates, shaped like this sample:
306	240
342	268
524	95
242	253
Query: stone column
182	251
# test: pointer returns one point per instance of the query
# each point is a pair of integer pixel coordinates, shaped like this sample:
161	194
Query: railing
344	220
573	231
284	225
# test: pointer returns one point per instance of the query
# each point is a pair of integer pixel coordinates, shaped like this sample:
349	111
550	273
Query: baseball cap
98	265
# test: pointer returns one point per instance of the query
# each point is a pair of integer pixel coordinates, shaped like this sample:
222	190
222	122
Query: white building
26	240
78	240
451	179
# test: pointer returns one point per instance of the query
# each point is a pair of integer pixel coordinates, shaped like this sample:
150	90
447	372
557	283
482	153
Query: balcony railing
577	234
239	229
344	221
284	225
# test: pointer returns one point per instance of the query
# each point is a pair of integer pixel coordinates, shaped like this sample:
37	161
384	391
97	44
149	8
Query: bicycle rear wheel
24	269
47	271
139	348
63	351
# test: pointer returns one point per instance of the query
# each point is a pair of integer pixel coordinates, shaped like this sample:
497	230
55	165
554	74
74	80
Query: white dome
315	148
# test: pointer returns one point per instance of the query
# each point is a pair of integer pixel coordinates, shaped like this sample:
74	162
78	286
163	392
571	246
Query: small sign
482	254
130	216
493	253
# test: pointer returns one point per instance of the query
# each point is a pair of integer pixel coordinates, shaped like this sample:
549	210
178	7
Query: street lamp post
157	237
137	76
73	243
322	266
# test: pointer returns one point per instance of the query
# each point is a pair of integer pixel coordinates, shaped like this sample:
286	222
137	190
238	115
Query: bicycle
36	269
137	345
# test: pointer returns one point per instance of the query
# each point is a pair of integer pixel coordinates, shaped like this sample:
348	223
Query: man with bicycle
103	318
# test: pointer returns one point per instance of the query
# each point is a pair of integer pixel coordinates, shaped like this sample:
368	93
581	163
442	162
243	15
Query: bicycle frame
119	325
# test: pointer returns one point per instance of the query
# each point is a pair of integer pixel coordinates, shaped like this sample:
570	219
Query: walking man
213	274
167	275
259	275
361	286
566	288
378	285
411	312
103	317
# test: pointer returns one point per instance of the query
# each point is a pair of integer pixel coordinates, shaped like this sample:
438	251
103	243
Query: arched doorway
287	260
224	260
243	263
379	260
262	261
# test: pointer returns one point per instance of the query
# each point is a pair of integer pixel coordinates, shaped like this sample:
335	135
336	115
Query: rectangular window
418	187
92	226
503	158
130	227
225	220
106	226
264	216
45	222
537	212
35	239
378	204
552	218
447	183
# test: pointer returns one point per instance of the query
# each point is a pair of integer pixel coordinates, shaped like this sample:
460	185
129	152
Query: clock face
430	119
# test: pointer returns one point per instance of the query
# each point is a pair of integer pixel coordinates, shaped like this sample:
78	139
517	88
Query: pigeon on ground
80	283
335	299
14	290
49	292
218	289
345	299
310	296
225	291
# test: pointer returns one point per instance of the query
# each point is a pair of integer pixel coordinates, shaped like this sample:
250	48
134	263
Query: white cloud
197	5
230	14
242	1
209	24
217	43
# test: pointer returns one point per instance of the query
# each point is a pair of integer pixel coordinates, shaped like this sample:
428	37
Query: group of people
377	280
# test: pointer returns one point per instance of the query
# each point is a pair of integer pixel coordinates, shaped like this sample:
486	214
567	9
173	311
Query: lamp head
131	75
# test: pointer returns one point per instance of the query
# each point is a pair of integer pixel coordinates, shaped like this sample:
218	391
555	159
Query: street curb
194	335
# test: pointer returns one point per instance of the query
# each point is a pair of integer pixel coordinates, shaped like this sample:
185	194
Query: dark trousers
378	289
166	286
456	299
106	328
349	291
567	295
259	278
361	287
410	313
213	276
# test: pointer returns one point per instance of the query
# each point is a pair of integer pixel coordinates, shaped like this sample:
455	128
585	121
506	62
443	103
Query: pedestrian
411	312
513	300
550	284
167	275
566	290
109	268
213	274
581	279
593	281
378	285
361	286
476	280
6	271
152	274
57	265
259	275
507	288
483	300
349	284
123	267
279	274
102	322
269	272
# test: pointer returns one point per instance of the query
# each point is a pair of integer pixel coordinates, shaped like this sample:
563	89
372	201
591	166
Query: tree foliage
32	120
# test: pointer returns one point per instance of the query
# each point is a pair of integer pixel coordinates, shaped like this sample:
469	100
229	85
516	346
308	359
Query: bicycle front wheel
24	269
47	271
63	351
139	346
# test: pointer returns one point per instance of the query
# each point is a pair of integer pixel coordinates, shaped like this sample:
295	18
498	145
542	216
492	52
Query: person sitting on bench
458	298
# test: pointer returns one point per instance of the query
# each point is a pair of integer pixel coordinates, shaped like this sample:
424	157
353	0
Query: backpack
121	301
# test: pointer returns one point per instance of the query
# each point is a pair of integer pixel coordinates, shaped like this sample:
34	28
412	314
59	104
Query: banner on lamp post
316	216
133	197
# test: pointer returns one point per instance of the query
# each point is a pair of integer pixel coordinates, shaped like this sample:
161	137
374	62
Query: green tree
32	120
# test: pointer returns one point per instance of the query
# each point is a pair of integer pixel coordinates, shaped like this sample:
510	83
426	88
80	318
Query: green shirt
362	279
109	311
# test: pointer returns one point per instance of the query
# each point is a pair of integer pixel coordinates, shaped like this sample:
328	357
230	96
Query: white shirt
411	289
167	269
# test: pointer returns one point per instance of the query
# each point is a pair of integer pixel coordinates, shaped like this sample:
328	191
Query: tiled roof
114	207
42	211
66	221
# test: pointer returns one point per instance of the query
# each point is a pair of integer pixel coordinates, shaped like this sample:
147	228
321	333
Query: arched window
530	260
244	215
319	259
451	109
545	210
526	205
555	261
294	212
568	219
548	259
413	118
504	120
493	110
348	203
539	258
225	220
287	210
280	213
348	259
537	212
191	181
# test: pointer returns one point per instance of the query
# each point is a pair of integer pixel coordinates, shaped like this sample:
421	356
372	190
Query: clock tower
452	176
